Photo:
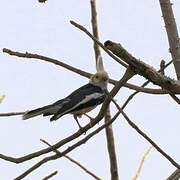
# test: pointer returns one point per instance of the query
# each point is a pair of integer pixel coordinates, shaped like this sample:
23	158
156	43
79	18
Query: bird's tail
49	109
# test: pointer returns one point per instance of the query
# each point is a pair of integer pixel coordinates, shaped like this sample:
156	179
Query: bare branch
111	147
145	136
143	85
162	67
74	161
175	98
47	59
142	163
50	176
98	42
143	69
172	33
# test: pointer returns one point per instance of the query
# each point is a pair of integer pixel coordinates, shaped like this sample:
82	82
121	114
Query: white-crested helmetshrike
78	102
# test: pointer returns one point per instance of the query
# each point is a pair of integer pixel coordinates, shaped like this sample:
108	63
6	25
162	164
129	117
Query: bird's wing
84	97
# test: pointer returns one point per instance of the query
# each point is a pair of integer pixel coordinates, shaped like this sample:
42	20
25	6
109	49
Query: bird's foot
91	119
80	127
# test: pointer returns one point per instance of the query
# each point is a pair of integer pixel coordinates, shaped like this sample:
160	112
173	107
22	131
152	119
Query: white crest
99	64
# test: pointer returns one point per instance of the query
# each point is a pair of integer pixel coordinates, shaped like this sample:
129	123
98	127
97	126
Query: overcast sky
45	29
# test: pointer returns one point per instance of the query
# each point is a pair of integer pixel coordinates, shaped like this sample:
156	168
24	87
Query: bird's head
100	79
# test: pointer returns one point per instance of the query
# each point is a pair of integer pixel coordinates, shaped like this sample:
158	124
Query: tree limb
144	69
172	33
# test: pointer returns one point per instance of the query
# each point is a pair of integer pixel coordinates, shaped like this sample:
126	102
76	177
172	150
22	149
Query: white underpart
85	100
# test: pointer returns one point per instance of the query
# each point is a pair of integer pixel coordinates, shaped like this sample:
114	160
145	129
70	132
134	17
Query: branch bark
174	43
143	69
111	147
172	33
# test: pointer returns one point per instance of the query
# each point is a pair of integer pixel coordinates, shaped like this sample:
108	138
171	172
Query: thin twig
74	161
162	67
142	163
50	176
98	42
175	98
46	59
11	114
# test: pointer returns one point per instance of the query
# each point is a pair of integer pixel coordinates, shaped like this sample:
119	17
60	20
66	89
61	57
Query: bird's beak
105	78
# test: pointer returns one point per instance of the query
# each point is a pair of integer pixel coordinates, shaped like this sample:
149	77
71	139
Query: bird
78	103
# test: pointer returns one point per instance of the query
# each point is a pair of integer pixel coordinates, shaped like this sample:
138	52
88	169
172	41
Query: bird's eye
96	76
105	78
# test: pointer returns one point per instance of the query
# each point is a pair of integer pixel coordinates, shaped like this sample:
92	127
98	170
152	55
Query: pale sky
45	29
